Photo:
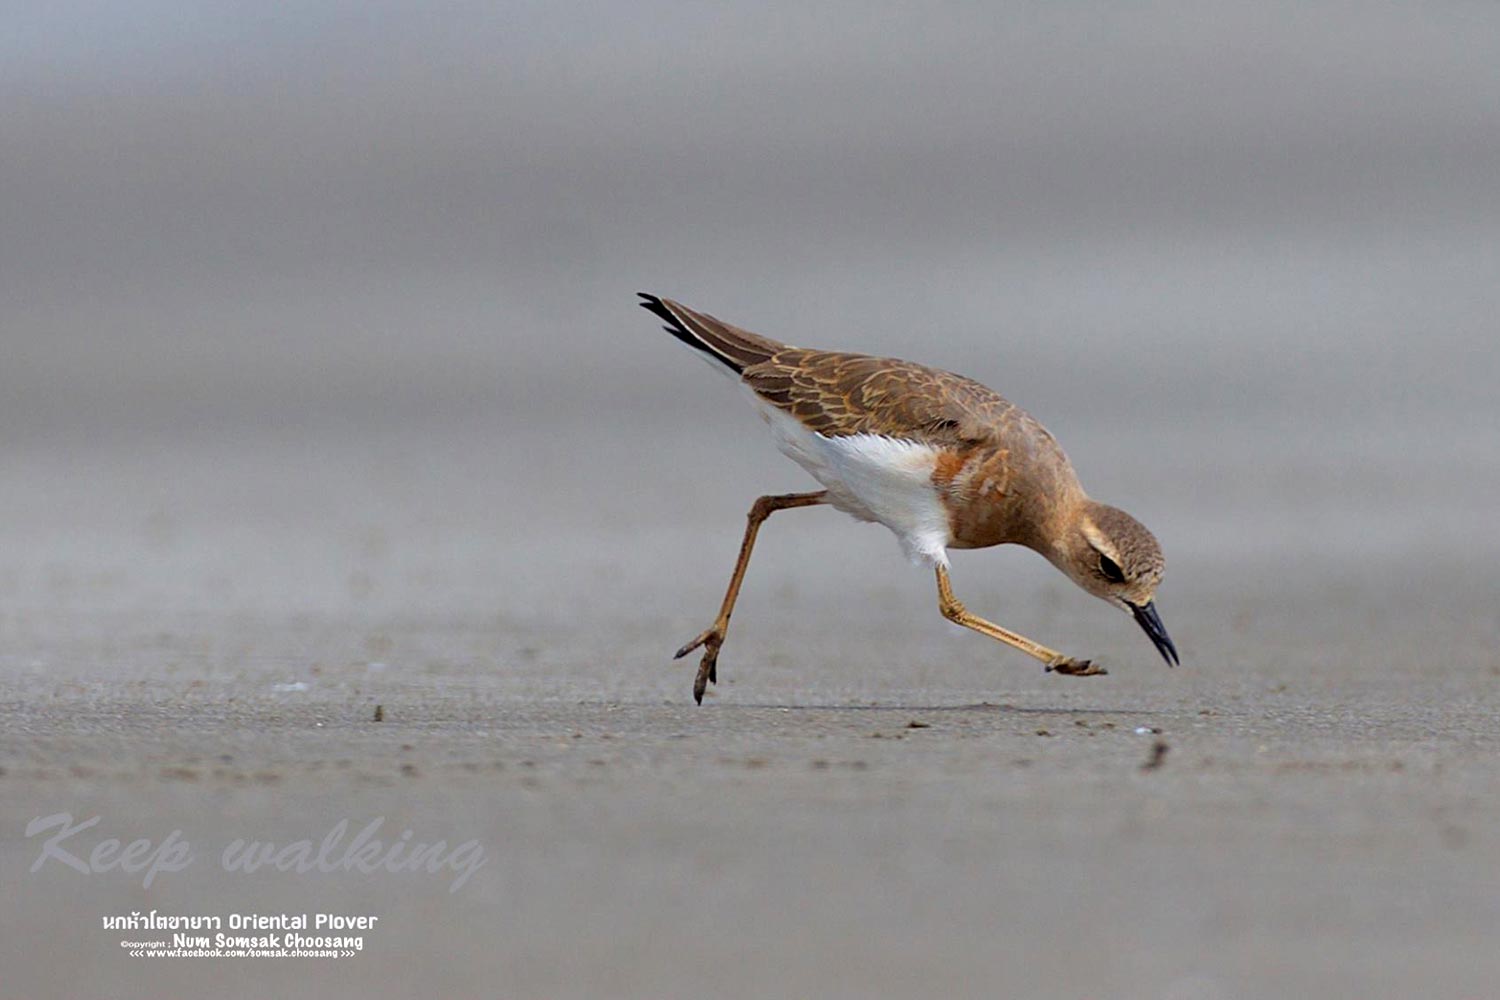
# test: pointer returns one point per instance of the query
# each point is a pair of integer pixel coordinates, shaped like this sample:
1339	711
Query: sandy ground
872	803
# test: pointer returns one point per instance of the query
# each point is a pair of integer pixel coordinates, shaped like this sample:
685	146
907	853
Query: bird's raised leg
954	611
713	637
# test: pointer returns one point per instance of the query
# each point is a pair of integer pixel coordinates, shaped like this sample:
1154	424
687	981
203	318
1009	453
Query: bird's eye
1110	569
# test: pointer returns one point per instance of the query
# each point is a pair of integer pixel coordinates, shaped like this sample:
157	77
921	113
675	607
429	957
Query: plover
940	460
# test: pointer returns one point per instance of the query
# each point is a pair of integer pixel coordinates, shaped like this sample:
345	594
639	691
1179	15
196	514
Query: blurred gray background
320	365
1242	258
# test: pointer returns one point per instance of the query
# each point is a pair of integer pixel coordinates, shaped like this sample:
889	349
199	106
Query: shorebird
937	458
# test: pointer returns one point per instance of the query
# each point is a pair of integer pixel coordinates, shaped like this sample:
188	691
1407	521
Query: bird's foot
708	669
1075	668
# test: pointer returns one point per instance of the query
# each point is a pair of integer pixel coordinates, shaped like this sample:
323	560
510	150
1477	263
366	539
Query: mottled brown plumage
838	393
942	460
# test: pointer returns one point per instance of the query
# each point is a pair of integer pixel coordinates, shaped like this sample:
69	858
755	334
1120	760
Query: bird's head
1112	556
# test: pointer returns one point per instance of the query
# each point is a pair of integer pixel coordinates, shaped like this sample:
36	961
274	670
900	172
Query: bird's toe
1076	668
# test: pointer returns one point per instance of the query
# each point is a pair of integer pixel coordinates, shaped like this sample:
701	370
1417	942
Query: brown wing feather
839	394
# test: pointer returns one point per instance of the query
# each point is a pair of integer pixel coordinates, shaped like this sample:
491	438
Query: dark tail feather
732	347
675	328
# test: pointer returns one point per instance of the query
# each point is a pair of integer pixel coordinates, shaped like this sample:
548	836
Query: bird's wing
837	394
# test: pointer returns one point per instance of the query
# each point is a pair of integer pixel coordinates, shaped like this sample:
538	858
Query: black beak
1146	616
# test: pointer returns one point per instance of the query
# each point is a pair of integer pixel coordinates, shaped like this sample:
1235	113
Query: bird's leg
713	637
954	611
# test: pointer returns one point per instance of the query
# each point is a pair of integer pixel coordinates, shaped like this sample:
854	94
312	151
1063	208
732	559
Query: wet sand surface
872	802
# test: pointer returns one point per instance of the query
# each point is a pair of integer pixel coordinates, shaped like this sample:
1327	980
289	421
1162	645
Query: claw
708	669
1076	668
705	636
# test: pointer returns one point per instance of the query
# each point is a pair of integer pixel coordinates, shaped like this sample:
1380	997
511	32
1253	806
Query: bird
941	460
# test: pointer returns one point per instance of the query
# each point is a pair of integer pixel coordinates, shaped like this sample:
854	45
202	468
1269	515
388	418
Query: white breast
873	478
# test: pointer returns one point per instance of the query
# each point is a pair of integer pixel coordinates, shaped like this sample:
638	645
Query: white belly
873	478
